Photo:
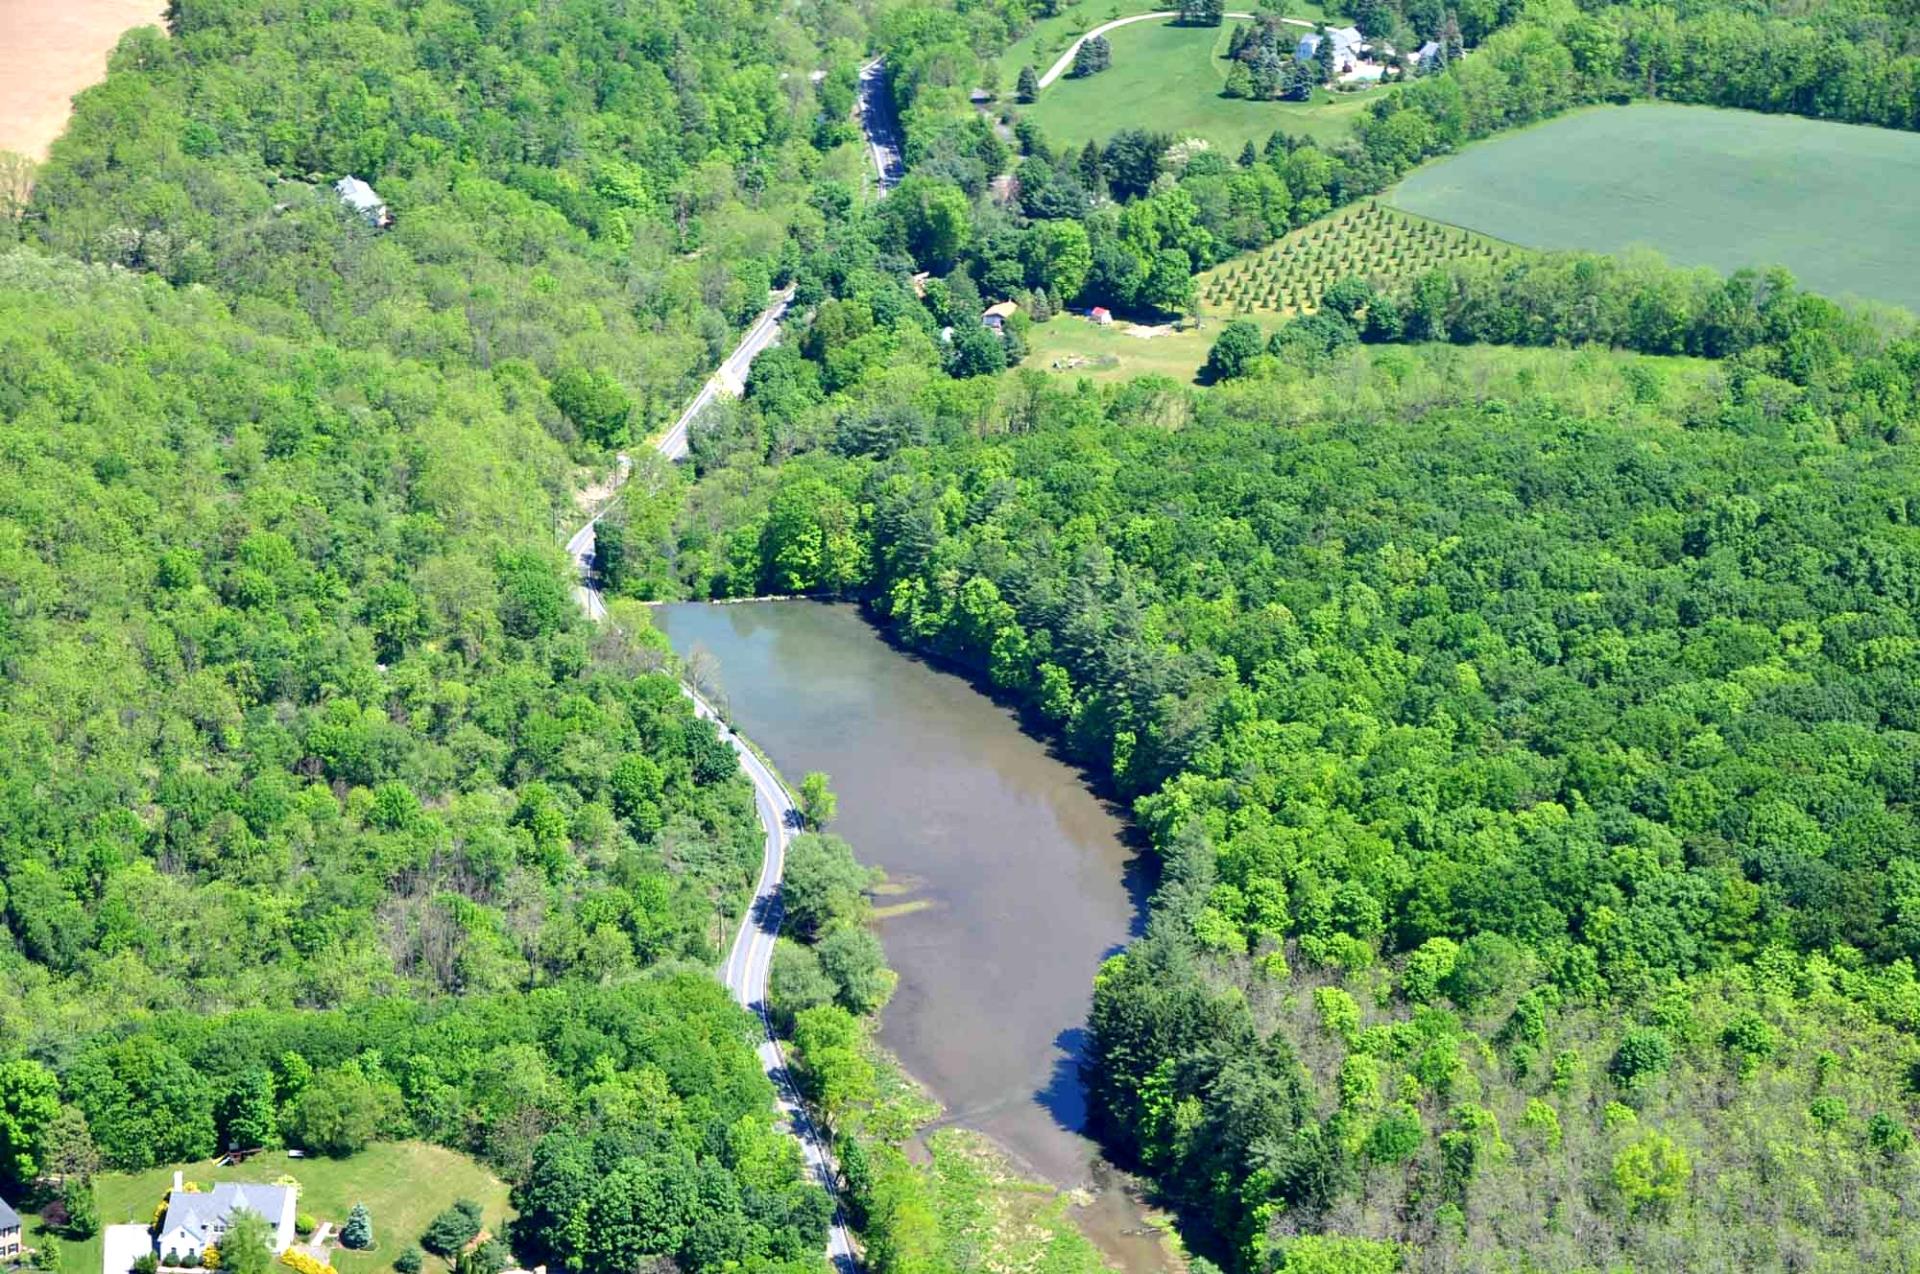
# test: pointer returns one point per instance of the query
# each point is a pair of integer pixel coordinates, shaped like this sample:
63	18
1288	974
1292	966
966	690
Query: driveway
120	1244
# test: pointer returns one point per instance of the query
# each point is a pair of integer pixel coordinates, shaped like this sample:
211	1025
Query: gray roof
1346	44
193	1212
358	193
9	1219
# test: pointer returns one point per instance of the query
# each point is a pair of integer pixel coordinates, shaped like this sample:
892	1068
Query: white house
9	1232
196	1221
360	197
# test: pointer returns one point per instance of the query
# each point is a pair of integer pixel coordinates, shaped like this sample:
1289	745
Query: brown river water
1024	880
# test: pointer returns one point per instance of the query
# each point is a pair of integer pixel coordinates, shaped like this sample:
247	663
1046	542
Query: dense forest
1526	736
326	816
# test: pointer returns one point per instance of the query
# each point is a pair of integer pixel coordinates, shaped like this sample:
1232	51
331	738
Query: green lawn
404	1184
1049	37
1168	78
1071	346
1834	203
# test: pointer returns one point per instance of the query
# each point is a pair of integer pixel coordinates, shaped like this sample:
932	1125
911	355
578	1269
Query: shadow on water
1065	1094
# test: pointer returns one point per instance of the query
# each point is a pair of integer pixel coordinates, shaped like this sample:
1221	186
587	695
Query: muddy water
1014	880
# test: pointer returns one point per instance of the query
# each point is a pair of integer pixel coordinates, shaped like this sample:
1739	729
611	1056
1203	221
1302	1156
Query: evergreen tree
1323	58
1248	155
357	1233
1092	176
1028	87
1092	57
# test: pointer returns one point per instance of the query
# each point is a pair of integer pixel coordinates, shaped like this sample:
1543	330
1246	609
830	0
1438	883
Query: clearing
1071	345
403	1183
1834	203
50	51
1369	239
1166	78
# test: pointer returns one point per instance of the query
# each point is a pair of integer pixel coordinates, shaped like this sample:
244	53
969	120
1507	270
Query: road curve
751	956
1059	68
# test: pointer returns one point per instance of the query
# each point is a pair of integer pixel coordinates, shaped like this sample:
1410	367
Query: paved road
730	379
745	972
1059	68
873	107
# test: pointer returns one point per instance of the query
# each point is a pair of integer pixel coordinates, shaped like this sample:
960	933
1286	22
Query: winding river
1013	878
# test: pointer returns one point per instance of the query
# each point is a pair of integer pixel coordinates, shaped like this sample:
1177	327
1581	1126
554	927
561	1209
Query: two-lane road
880	124
729	379
751	957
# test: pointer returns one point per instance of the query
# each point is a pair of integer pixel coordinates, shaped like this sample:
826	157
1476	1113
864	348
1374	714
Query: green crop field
1370	239
1168	78
1834	203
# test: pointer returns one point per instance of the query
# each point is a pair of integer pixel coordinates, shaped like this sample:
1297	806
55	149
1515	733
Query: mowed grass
1834	203
1368	239
1168	78
403	1183
1071	346
1048	38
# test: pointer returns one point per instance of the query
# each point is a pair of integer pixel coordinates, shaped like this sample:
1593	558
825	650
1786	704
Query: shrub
303	1224
453	1229
295	1259
408	1262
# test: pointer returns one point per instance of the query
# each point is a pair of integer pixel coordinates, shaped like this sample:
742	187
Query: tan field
50	50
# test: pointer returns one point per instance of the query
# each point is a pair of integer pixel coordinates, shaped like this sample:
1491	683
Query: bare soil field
50	50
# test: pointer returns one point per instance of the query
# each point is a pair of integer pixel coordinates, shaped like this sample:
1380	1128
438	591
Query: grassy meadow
1168	78
1368	239
1831	202
403	1183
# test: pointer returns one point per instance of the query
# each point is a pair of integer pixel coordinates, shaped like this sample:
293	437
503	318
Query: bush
408	1262
295	1259
303	1224
453	1229
146	1263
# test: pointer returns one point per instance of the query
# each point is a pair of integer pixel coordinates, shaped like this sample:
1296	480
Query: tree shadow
1064	1096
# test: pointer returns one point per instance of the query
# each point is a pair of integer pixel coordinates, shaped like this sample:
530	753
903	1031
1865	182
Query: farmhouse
9	1232
359	196
195	1221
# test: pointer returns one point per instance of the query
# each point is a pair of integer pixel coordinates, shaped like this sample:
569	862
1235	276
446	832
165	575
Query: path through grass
1166	78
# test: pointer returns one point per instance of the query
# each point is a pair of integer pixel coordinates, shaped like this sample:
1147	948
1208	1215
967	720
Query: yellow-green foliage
1370	240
